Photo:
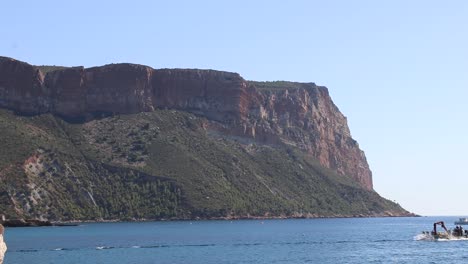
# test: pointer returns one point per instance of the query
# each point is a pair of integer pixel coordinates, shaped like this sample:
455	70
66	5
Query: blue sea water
358	240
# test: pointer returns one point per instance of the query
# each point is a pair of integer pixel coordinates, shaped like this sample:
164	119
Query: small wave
63	249
341	242
199	245
389	240
155	246
246	244
27	250
103	247
183	245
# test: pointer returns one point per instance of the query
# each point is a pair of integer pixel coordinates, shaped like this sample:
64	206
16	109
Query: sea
340	240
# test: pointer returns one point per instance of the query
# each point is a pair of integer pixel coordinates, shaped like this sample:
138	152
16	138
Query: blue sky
397	69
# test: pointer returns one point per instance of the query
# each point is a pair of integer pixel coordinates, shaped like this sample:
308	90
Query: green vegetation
281	85
162	164
50	68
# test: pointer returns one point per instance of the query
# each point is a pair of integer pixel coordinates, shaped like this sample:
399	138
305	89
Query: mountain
125	141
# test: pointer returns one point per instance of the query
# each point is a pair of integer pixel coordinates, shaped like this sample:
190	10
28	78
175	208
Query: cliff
301	115
127	141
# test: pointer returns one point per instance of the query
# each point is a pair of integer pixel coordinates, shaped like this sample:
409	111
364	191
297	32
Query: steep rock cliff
22	87
290	114
304	116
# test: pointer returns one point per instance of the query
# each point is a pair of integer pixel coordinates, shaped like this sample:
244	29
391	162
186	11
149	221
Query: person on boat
459	231
3	247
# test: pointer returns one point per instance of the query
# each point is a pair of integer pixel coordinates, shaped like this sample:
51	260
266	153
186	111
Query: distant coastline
41	223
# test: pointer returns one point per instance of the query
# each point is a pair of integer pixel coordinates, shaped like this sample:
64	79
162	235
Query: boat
458	233
462	221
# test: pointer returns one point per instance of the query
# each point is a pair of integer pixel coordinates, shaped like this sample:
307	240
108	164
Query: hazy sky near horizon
397	69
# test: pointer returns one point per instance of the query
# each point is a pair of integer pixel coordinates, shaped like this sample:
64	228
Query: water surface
358	240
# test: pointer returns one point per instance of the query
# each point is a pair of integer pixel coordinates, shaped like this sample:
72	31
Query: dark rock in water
25	223
33	223
64	224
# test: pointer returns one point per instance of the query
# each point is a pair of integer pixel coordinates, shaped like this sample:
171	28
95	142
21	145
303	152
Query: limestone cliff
22	87
294	114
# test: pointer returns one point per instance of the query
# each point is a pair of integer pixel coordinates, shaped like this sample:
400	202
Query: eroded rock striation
300	115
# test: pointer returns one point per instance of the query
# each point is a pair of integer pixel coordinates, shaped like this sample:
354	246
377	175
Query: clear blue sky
397	69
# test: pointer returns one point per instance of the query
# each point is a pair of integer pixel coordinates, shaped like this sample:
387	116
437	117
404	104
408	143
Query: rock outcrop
292	114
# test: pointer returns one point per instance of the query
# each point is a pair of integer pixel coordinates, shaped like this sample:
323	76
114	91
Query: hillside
126	141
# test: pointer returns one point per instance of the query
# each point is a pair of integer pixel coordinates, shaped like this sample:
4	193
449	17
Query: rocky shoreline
34	223
40	223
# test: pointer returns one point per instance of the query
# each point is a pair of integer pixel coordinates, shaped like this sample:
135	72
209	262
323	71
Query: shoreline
66	223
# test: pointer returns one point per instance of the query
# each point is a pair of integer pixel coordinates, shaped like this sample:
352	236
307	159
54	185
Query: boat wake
423	237
429	237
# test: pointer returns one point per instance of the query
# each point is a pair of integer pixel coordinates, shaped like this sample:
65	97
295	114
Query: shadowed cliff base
94	139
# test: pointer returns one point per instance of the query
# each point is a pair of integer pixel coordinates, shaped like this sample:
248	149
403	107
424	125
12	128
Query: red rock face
68	96
119	88
111	89
214	94
303	116
21	87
